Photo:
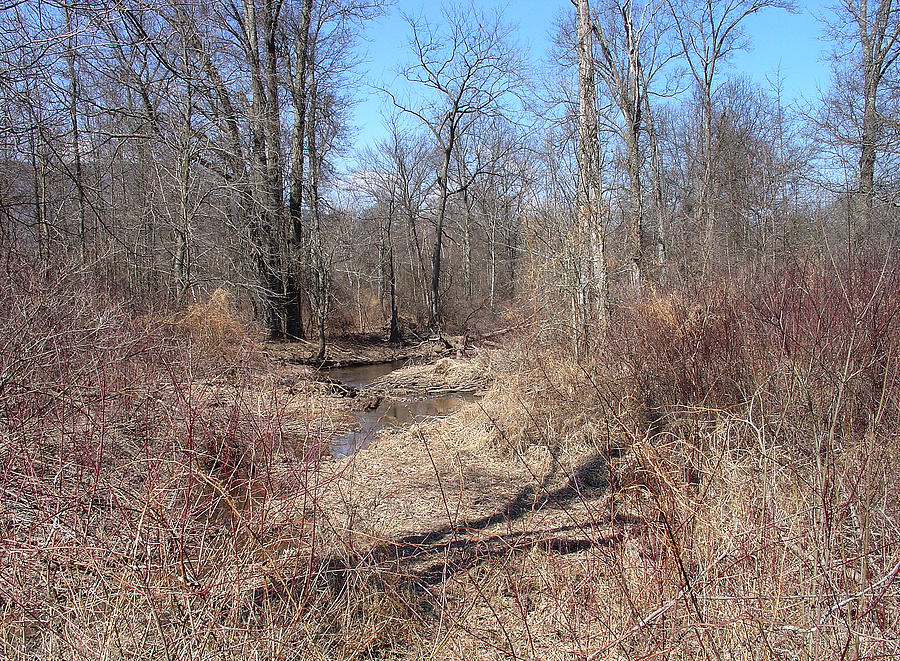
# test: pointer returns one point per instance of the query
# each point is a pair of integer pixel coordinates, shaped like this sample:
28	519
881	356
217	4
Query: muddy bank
364	350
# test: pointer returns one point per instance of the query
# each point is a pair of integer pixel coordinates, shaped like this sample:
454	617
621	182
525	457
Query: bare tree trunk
394	332
181	259
181	256
589	187
273	114
707	193
493	275
620	67
467	241
39	189
872	35
420	274
636	204
863	217
299	94
443	185
265	151
76	138
320	269
273	175
662	218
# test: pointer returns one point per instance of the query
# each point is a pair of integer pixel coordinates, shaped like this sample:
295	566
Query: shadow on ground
426	560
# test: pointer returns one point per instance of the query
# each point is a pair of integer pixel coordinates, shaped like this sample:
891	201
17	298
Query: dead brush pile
443	376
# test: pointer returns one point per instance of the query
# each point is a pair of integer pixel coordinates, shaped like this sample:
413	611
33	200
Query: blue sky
779	40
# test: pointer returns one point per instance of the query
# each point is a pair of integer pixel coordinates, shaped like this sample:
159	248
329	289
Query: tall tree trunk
627	86
320	272
266	210
443	185
589	186
707	198
76	138
273	174
181	258
636	195
467	241
394	333
420	274
299	94
662	218
39	167
862	219
493	257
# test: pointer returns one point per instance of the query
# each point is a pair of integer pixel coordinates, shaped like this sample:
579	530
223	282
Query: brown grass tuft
215	326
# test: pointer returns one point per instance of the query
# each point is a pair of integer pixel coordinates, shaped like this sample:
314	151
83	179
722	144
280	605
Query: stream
390	412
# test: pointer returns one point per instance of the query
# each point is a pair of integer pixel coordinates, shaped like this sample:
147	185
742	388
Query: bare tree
299	93
869	32
590	188
319	36
410	158
657	177
623	67
383	181
503	198
708	32
470	71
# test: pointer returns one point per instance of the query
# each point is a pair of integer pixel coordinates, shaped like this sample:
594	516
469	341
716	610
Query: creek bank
392	395
357	350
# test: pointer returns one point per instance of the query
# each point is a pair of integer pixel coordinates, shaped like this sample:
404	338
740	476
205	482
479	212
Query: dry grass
214	326
446	375
723	498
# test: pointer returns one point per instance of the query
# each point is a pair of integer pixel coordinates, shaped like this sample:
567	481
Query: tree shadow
589	478
426	560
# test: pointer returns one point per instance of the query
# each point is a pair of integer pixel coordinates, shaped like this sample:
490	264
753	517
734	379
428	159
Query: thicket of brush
752	432
159	487
142	458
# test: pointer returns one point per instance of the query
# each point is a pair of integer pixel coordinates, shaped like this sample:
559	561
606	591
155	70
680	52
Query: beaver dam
396	394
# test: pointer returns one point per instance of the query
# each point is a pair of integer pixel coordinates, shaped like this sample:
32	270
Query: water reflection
396	413
389	412
361	376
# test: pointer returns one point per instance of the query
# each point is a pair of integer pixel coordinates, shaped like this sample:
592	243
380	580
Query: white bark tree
591	223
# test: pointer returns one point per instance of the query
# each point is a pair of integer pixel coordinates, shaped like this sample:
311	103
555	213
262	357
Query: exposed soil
364	350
